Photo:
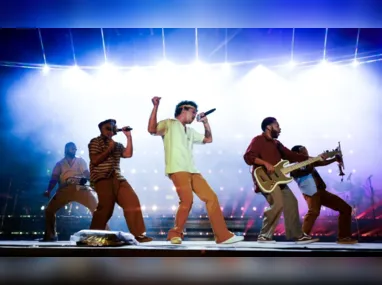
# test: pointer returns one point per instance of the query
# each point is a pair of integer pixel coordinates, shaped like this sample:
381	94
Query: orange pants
186	183
331	201
111	191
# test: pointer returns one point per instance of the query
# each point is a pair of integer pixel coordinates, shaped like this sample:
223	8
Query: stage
188	249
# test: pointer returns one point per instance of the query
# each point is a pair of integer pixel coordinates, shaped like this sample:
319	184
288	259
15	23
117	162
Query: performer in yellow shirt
178	141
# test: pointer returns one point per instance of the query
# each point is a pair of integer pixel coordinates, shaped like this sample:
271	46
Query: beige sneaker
176	240
233	239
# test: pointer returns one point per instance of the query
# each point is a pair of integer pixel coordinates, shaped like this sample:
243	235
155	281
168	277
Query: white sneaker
176	240
233	239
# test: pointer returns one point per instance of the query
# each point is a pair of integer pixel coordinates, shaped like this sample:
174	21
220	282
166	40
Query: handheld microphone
198	117
126	129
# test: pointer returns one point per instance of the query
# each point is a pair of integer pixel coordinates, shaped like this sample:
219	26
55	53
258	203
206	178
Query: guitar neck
296	166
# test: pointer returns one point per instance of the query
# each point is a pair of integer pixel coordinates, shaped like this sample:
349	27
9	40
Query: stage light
133	171
241	188
226	67
173	208
354	171
221	188
254	209
351	151
291	64
156	188
324	62
107	67
166	64
46	69
222	208
242	208
355	63
330	170
143	208
42	208
173	188
76	207
154	208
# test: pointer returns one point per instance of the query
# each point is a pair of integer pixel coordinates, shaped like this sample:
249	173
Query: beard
274	134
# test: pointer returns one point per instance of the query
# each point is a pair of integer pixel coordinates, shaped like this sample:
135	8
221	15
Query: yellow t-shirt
178	145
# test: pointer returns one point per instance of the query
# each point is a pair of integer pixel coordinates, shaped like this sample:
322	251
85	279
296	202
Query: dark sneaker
347	240
264	239
306	239
143	238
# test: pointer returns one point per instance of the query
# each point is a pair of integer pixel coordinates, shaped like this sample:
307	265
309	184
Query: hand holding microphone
126	131
202	117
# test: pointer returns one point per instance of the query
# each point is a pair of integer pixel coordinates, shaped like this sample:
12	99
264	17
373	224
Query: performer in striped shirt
110	185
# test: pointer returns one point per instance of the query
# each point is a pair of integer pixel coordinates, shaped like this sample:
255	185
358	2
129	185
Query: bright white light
226	67
156	188
254	208
222	208
355	63
173	208
330	171
42	208
46	69
242	208
107	67
324	62
133	171
75	68
292	64
143	207
354	171
166	64
154	208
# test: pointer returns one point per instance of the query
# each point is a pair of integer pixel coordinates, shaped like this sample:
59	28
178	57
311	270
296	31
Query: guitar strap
278	144
279	148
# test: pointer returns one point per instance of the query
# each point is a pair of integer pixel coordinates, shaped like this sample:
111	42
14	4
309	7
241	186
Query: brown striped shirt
110	165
